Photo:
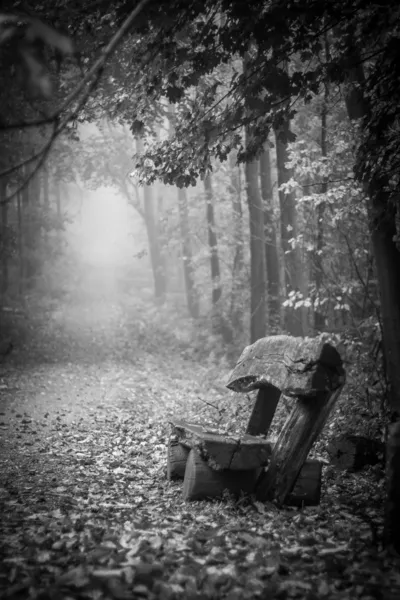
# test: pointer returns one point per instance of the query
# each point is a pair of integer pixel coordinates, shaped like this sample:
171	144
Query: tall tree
237	214
212	241
187	257
20	244
4	245
192	296
258	283
151	222
238	263
271	242
27	207
319	320
382	223
46	200
287	202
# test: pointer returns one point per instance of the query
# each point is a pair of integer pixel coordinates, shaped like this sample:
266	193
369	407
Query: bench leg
202	482
177	456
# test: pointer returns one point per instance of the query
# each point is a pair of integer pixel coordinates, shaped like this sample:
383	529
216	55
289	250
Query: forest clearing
88	511
199	300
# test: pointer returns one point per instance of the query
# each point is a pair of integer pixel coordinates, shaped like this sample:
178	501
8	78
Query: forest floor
86	508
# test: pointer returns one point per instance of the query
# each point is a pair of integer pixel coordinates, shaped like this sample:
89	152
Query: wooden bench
309	372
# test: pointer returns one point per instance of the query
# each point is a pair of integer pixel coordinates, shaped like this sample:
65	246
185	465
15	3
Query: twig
210	404
44	151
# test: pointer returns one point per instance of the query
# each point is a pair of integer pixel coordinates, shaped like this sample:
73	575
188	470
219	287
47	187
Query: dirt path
87	511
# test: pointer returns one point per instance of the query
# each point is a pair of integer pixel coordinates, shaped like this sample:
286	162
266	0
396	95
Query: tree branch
93	71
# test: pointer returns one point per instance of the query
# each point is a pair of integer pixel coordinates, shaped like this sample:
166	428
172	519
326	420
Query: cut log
294	442
263	410
295	366
307	489
353	452
176	460
201	481
221	450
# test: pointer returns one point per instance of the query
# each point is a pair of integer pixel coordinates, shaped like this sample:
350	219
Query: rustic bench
310	373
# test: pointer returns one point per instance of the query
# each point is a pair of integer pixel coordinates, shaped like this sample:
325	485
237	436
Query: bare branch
98	65
94	71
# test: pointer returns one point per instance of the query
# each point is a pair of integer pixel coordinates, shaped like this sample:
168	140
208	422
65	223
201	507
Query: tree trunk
212	242
382	224
258	315
57	197
152	237
4	236
387	260
319	319
293	318
20	244
237	214
187	257
271	244
219	323
235	311
392	508
161	236
154	246
28	234
46	200
188	270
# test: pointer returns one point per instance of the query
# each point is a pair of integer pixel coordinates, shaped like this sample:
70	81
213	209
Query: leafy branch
89	82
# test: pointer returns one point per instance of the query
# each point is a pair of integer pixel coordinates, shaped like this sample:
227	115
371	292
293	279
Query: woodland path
87	511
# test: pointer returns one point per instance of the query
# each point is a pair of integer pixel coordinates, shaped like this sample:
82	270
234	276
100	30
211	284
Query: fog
104	235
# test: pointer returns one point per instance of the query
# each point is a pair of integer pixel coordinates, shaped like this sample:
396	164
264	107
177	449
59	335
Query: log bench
309	372
210	461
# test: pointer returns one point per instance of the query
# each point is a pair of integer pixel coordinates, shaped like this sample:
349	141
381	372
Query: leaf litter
88	513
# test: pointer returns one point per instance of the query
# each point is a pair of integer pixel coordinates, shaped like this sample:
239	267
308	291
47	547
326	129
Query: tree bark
212	242
237	214
187	258
57	197
392	507
258	308
4	236
382	224
28	232
271	244
258	271
293	319
154	246
46	200
192	297
161	236
152	237
20	244
319	319
237	288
